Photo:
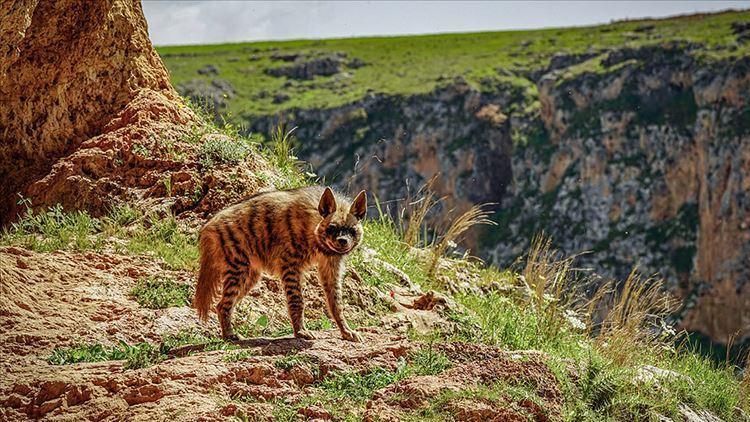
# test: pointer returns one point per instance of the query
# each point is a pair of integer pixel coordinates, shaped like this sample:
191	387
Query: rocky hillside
627	140
98	260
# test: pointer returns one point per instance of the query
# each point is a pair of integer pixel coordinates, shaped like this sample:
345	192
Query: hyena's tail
209	277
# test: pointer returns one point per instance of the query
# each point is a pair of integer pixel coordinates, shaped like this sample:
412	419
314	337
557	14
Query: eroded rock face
642	159
89	116
71	66
647	166
391	145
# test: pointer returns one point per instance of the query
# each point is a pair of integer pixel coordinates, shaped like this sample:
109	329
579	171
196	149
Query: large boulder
89	115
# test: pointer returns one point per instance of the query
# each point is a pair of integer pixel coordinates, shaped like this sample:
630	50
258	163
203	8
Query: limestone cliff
639	155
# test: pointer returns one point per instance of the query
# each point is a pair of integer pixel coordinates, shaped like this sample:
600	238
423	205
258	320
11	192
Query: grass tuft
159	293
54	229
136	356
474	216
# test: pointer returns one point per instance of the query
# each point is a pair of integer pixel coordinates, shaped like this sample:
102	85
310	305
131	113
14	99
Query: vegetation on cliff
417	64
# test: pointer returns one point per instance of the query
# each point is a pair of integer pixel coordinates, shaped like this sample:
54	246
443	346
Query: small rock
356	63
690	415
280	98
314	412
302	375
78	395
13	401
208	70
229	410
308	69
648	374
50	390
145	394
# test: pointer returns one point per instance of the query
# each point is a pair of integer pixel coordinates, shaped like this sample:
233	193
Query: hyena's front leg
329	273
294	302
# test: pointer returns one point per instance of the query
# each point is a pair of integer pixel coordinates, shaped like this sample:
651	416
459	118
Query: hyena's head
341	228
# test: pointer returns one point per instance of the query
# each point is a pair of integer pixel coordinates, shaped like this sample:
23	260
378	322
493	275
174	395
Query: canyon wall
639	156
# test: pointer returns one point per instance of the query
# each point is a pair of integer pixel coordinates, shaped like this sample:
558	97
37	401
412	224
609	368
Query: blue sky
200	22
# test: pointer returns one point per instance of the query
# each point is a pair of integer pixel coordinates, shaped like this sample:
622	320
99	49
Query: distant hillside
629	140
417	64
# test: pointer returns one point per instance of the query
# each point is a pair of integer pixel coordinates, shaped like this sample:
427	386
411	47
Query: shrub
223	150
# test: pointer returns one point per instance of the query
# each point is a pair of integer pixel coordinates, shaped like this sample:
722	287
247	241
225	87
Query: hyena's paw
231	337
305	334
351	335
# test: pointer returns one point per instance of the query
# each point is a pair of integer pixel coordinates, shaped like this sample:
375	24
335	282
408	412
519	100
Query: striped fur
281	233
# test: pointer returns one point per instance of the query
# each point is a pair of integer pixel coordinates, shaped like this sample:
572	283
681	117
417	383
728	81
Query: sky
203	22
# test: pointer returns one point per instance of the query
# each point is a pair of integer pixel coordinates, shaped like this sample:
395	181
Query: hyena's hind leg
236	285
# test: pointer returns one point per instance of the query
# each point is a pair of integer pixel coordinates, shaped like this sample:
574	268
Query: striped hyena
281	233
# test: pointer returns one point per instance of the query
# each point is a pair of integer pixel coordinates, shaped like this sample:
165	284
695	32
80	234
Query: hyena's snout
344	241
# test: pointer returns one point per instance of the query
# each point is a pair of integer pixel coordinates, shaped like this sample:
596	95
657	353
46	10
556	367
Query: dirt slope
53	300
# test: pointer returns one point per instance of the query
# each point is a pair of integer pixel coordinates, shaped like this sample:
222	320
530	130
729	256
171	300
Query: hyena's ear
359	206
327	205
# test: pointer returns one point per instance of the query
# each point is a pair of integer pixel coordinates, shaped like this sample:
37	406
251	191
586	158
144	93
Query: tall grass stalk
631	325
476	215
416	210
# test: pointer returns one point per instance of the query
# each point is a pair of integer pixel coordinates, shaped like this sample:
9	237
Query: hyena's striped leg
329	274
236	285
294	302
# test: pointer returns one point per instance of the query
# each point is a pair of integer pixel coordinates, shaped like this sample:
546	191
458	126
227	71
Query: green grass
606	389
220	150
135	356
138	355
382	236
160	292
164	239
502	394
54	229
359	387
239	355
124	230
404	65
290	361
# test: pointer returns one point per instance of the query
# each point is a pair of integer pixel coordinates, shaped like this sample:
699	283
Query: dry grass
474	216
631	324
413	214
625	321
745	391
553	286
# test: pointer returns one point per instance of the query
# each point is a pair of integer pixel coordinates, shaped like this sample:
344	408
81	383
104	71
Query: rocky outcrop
62	299
639	155
308	68
89	116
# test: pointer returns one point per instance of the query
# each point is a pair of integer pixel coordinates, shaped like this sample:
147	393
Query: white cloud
200	22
